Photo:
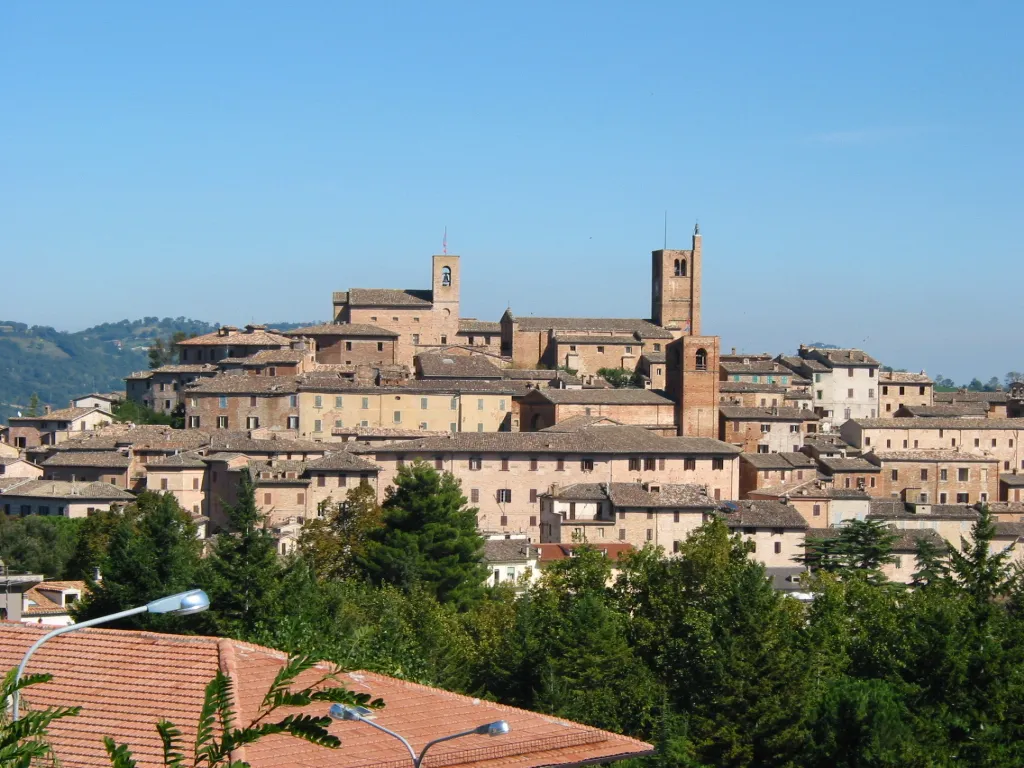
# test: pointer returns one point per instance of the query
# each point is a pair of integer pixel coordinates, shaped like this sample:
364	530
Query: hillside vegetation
57	365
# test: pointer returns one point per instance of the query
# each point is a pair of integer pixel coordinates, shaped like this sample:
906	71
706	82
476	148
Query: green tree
92	541
34	406
242	573
137	413
1013	377
931	563
429	538
620	378
34	544
153	552
334	541
158	353
860	546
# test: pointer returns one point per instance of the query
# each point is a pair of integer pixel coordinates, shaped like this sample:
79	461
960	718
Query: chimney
734	350
46	409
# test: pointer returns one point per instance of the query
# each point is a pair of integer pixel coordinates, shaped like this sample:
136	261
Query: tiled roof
576	423
761	513
896	509
972	397
934	455
341	461
269	357
907	539
811	489
796	363
840	464
902	377
149	677
72	491
1009	530
535	374
254	338
750	386
581	492
957	410
60	414
842	357
559	338
782	461
44	606
508	551
433	365
669	495
177	461
796	394
139	376
182	368
472	325
603	396
390	297
1006	508
654	357
227	383
335	385
644	328
344	329
741	413
593	440
552	552
8	460
241	442
104	459
769	367
911	422
1012	480
139	437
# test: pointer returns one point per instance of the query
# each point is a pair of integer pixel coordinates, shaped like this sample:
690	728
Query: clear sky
857	168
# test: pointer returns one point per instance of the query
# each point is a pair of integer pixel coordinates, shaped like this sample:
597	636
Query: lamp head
181	604
497	728
342	712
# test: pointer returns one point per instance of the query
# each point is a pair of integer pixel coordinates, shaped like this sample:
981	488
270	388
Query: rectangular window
504	495
502	404
415	338
942	498
622	534
338	424
252	422
821	394
252	401
533	463
348	346
650	534
963	474
689	464
560	464
193	422
453	427
397	417
649	465
300	498
849	372
222	422
318	425
504	463
195	483
476	463
163	483
480	404
423	426
454	404
223	401
849	392
718	463
293	422
634	465
533	498
293	401
600	350
895	474
267	498
380	346
318	401
533	521
474	495
943	475
480	427
587	465
321	481
339	401
766	428
924	474
963	498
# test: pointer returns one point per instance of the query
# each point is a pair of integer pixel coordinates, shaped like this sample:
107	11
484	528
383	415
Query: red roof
126	682
551	552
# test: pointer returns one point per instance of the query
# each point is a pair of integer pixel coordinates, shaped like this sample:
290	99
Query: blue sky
856	168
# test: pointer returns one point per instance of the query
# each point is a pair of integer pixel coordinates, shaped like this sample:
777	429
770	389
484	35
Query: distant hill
58	365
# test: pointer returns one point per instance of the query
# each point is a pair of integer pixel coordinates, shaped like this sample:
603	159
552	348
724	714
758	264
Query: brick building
937	476
820	503
504	473
763	470
543	408
765	430
54	426
897	389
89	467
230	342
351	343
852	472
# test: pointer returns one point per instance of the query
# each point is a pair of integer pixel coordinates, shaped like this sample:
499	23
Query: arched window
677	268
446	276
702	359
680	267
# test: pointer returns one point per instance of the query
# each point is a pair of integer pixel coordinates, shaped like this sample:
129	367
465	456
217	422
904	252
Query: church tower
445	298
675	288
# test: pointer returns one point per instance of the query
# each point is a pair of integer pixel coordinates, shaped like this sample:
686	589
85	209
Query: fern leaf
285	677
119	754
171	738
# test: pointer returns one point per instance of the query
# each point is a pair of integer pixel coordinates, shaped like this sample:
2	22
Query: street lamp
344	712
181	604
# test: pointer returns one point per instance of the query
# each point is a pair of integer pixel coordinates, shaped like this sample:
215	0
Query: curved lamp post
343	712
181	604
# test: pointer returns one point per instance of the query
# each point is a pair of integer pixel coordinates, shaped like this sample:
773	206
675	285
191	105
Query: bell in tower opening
446	276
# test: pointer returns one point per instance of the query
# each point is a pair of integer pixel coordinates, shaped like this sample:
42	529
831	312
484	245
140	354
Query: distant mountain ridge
59	365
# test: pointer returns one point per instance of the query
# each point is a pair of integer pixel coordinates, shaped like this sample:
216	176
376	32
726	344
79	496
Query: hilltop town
614	432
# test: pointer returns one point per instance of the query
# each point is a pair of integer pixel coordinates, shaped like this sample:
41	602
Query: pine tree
34	406
153	552
429	538
243	573
333	541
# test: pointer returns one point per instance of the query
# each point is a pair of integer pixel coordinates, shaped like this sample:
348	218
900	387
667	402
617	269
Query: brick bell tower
692	377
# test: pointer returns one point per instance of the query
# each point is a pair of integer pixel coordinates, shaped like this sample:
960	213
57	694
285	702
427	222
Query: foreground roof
68	490
147	677
60	414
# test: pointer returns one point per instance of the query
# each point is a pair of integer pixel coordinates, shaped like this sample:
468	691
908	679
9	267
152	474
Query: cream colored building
61	498
897	389
775	529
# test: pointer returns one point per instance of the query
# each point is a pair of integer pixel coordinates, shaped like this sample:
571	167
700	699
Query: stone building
844	383
160	388
54	426
763	470
181	474
15	466
897	389
61	498
952	522
941	476
351	343
765	430
775	529
852	472
996	404
504	473
230	342
542	408
90	467
820	503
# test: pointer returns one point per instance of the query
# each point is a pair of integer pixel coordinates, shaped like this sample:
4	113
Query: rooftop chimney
46	409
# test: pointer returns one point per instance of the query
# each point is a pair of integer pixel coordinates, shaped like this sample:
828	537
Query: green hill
58	365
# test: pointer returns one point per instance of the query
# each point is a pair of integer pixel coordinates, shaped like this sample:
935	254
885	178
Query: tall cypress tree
429	538
243	574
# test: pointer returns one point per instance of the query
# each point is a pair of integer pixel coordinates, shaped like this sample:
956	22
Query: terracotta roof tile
759	513
434	365
256	338
645	328
60	414
603	396
105	459
740	413
912	422
472	325
560	338
344	329
76	491
390	297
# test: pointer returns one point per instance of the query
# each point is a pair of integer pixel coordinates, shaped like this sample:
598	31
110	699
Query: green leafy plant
23	742
217	736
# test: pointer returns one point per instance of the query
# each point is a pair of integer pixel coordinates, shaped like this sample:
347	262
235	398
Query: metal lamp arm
408	746
15	697
418	761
